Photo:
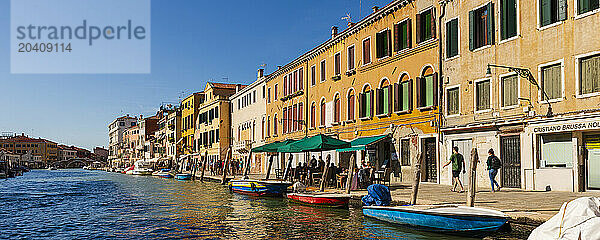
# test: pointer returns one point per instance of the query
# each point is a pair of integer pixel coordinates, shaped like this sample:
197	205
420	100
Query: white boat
141	167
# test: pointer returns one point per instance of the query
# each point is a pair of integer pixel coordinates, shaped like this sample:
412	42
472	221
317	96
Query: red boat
321	199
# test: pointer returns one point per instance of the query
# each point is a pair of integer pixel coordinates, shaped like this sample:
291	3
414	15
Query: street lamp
524	73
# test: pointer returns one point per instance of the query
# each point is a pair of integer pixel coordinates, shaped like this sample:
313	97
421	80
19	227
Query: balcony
243	146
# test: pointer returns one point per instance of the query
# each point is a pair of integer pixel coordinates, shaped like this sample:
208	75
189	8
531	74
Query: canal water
79	204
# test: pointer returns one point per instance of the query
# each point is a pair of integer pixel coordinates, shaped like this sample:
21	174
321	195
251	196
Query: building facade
40	149
377	77
115	135
248	123
506	109
189	112
173	134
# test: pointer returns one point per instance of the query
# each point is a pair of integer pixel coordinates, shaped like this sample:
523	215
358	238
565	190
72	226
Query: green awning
315	144
362	143
272	147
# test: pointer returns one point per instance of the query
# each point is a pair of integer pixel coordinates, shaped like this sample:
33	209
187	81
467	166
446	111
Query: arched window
268	126
300	115
366	102
322	122
313	115
403	95
384	97
337	108
275	125
427	88
351	105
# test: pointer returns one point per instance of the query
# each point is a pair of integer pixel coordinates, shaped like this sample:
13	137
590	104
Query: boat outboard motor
378	195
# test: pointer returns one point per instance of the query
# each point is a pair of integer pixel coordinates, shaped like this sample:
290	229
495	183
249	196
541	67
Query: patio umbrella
314	144
272	147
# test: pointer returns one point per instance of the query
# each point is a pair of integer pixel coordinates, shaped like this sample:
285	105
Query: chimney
237	87
261	72
375	8
278	67
334	31
141	116
350	24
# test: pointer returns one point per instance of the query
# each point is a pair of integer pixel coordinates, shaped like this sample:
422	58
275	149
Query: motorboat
183	176
261	188
163	173
330	200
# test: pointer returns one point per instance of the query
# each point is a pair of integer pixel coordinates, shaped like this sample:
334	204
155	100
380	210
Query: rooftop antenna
226	79
264	65
347	17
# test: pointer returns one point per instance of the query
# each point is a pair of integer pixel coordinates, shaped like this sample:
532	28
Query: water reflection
77	204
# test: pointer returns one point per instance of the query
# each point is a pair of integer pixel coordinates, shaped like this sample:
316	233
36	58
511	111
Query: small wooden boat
183	176
163	173
458	220
321	199
261	188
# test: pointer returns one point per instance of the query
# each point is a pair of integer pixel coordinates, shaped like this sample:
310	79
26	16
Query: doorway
429	160
510	155
592	147
464	148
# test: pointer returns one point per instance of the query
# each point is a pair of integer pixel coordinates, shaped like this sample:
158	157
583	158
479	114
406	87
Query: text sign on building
75	36
571	126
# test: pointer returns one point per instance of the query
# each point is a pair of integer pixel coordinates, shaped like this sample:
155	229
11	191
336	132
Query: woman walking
493	164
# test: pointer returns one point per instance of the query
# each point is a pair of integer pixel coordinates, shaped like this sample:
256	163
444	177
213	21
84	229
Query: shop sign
571	126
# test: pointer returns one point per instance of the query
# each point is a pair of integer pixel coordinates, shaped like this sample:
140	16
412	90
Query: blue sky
192	42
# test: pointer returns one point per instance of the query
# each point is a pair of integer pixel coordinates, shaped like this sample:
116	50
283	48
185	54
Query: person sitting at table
321	165
297	171
313	164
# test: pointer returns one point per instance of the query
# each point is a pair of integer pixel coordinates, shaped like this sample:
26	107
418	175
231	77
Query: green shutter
386	95
454	37
512	18
562	10
471	30
490	23
368	108
582	6
448	41
546	12
429	91
405	96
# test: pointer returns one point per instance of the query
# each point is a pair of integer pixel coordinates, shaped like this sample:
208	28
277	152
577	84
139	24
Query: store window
556	151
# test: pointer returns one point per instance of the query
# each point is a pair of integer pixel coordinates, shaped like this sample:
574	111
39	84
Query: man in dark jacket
493	164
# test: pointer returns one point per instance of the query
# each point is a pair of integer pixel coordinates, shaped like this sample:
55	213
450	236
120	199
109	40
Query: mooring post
472	188
288	167
247	165
225	166
324	175
269	167
351	164
417	179
203	168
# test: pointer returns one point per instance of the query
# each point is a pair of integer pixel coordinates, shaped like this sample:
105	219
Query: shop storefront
565	154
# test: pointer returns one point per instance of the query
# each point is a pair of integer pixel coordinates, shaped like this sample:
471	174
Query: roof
23	139
226	85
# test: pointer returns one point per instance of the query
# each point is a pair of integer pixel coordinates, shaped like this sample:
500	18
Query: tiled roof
226	85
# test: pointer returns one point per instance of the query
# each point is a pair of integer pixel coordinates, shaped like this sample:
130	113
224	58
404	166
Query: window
300	115
301	79
552	11
584	6
384	98
285	85
269	95
313	115
121	123
426	89
452	38
589	74
268	126
323	71
403	95
275	93
366	103
285	121
510	90
482	95
337	109
275	125
405	151
295	84
351	58
351	101
551	81
402	35
508	19
425	25
481	27
313	75
295	117
337	64
452	101
556	150
322	122
383	44
367	51
263	91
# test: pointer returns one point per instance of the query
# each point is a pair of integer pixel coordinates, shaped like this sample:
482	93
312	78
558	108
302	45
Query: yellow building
189	112
377	77
213	125
46	150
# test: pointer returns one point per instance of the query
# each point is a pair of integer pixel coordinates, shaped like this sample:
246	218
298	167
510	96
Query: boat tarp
577	219
362	143
315	143
272	147
378	195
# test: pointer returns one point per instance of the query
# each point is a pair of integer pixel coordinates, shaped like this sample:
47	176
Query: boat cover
378	195
577	219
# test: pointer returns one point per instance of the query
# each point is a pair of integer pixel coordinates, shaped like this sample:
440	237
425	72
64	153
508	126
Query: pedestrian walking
458	165
493	164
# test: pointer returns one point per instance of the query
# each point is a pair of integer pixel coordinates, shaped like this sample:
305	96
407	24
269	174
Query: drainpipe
441	82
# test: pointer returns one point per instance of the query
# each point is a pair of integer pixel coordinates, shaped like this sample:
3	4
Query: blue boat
259	188
183	176
457	220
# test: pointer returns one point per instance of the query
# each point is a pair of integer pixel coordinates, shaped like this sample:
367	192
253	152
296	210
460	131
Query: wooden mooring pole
269	167
203	168
325	173
417	179
472	187
351	165
225	166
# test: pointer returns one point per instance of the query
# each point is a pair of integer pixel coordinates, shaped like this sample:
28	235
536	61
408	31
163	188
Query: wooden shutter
472	30
448	41
372	102
389	42
378	45
562	10
418	28
391	105
418	91
379	98
490	23
410	94
408	33
583	6
397	96
546	12
397	37
361	105
301	79
435	89
433	22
